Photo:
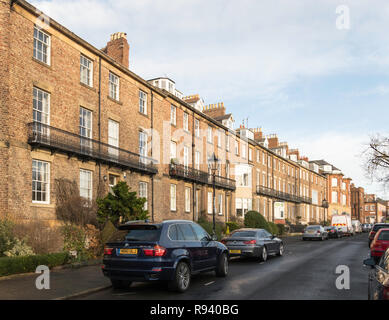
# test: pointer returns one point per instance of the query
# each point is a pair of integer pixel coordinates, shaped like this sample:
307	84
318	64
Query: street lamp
213	166
325	206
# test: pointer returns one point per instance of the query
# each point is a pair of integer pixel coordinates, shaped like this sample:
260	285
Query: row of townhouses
71	111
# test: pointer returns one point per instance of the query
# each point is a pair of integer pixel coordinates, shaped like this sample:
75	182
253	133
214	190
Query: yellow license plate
235	251
128	251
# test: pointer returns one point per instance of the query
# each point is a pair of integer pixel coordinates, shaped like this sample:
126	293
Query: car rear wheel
120	284
181	280
222	267
280	250
263	256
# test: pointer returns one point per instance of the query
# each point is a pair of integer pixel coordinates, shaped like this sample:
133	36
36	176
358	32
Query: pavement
306	271
65	283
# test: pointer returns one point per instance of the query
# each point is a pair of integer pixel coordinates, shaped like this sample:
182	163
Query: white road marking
207	284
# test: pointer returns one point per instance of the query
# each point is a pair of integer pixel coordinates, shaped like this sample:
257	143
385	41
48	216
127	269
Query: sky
286	65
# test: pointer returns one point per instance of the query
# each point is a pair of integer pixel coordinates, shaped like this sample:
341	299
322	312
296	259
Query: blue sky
282	63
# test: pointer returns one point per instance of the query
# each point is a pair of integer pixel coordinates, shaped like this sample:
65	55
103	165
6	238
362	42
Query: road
306	271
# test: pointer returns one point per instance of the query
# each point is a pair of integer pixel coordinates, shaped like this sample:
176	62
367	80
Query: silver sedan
315	232
255	243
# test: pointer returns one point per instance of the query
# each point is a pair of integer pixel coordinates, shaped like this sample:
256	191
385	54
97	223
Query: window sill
41	63
42	205
87	86
144	115
114	100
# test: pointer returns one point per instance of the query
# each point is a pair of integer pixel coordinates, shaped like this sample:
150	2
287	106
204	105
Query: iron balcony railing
55	139
261	190
201	177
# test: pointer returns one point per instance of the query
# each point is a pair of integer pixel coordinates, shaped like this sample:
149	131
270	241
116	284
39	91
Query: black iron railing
201	177
55	139
261	190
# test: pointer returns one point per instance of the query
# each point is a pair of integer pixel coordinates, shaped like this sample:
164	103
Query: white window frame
210	203
187	199
197	128
86	71
44	39
220	202
173	150
113	137
41	100
114	83
142	102
197	160
209	134
173	197
143	186
89	188
185	121
173	115
45	181
143	145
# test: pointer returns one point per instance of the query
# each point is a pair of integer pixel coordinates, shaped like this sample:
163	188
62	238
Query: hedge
232	225
273	228
254	219
13	265
208	226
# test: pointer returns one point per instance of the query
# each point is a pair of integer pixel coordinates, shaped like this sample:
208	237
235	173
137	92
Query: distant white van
343	223
357	226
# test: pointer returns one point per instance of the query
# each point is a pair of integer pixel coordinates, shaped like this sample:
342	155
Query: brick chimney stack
215	110
258	135
273	141
118	48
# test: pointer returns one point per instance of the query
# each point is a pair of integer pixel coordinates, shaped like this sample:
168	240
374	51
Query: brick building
357	203
375	209
338	189
70	111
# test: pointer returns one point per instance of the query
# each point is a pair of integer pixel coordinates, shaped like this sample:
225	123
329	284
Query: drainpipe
151	154
194	202
99	120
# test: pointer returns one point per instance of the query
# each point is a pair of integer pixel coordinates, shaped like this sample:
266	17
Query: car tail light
250	242
385	293
156	251
108	251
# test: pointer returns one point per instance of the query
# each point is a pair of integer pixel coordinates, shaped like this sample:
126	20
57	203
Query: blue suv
170	251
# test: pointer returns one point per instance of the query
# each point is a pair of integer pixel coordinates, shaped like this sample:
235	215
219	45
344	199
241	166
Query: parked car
374	230
255	243
379	244
378	287
366	227
357	226
315	232
172	250
333	232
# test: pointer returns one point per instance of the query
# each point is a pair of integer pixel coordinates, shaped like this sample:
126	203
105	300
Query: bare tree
71	207
377	159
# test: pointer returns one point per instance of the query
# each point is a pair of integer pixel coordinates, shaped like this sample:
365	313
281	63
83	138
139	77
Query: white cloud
344	151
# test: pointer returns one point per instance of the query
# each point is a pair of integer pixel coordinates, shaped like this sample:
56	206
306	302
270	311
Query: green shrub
233	225
7	239
254	219
75	240
281	229
13	265
273	229
208	226
19	248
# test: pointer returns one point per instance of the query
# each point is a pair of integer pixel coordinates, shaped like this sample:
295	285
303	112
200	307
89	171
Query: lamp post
325	206
213	166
